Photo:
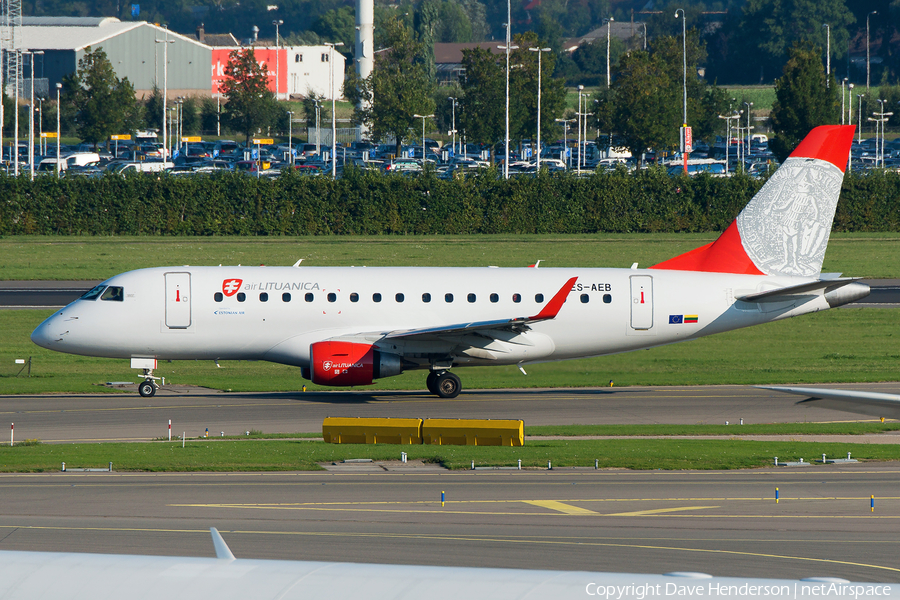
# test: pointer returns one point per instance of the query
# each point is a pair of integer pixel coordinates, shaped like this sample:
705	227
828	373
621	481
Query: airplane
875	404
84	576
348	326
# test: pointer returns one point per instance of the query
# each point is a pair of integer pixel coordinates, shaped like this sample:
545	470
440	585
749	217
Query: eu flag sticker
676	319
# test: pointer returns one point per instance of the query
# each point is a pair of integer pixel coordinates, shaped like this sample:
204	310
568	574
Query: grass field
88	258
847	344
210	455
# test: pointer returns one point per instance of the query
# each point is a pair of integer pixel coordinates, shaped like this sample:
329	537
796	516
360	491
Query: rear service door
178	300
641	301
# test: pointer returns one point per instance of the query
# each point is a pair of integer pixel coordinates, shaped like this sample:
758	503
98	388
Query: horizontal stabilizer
828	285
875	404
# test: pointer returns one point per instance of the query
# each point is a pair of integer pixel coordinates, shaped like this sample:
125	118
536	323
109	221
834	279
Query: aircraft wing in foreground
348	326
875	404
75	576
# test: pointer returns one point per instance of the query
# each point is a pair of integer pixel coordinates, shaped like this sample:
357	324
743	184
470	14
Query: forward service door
641	302
178	300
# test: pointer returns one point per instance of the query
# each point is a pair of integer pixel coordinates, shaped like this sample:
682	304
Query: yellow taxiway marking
453	538
562	507
159	407
656	511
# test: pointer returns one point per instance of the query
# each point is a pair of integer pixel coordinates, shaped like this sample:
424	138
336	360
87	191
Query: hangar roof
76	33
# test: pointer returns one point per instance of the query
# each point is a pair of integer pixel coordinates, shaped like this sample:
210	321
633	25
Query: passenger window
448	297
263	297
426	297
113	293
309	297
285	297
332	296
538	298
94	293
354	297
399	297
470	298
218	297
241	296
517	298
495	298
376	297
585	298
607	298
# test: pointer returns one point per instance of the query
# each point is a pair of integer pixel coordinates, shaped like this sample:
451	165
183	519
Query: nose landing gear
148	387
443	384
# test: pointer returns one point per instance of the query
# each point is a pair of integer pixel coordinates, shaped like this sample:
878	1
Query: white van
76	159
150	166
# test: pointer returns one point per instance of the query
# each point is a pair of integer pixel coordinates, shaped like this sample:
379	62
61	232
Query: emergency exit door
641	301
178	300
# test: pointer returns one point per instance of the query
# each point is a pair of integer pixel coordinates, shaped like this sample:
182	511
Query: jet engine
350	363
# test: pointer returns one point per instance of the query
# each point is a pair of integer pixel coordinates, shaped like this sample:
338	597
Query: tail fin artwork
784	229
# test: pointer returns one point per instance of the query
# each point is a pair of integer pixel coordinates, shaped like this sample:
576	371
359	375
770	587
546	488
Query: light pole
218	112
539	52
423	117
33	53
165	42
58	110
565	123
748	105
331	47
827	27
40	120
883	116
453	123
179	111
843	101
868	64
291	134
684	81
609	23
318	106
728	118
507	47
578	118
850	104
276	23
859	98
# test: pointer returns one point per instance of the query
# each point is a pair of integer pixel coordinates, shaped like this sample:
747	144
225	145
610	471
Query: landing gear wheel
431	382
447	385
147	389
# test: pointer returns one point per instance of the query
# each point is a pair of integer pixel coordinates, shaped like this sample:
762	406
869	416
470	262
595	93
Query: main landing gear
443	384
148	387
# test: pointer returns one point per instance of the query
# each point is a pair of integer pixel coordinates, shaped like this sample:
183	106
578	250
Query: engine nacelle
350	363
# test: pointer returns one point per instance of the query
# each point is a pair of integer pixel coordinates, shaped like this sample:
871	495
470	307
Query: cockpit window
113	293
94	293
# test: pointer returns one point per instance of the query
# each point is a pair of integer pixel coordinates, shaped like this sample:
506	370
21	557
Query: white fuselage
203	313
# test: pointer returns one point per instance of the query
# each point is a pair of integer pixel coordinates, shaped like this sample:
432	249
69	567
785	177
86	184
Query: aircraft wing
874	404
549	311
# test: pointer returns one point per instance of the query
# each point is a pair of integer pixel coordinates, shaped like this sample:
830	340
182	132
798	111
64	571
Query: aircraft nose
47	334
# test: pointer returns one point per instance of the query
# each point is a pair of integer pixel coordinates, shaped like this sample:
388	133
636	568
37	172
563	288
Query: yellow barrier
467	432
338	430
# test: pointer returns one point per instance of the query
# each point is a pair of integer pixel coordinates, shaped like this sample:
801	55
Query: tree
309	110
481	109
190	118
103	103
209	116
398	88
647	106
251	106
803	100
523	90
153	108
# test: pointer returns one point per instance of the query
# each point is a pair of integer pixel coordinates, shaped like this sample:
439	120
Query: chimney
201	34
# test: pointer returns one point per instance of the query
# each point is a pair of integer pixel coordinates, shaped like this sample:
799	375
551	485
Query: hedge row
373	204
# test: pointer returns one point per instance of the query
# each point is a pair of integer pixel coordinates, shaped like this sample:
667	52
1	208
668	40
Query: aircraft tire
147	389
447	385
431	381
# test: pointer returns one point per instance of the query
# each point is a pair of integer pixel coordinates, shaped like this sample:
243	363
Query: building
294	71
448	58
131	47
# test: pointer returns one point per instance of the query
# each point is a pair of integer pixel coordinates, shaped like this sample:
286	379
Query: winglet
223	552
551	309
